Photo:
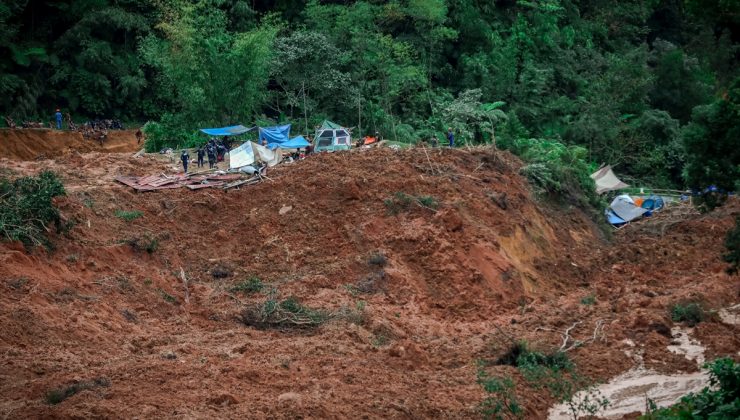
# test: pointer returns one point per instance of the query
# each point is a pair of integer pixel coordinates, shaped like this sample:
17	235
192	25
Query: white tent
606	180
241	156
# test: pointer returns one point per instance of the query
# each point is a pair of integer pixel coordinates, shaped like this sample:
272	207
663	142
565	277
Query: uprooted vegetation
145	243
402	202
58	395
27	208
290	313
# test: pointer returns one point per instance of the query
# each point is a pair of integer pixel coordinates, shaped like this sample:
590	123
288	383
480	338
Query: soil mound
415	258
42	143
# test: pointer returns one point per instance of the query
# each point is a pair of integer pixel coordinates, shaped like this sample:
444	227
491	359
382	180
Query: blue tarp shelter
294	143
233	130
278	134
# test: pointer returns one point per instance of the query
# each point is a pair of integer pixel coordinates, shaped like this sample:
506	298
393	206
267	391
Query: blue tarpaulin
278	134
294	143
234	130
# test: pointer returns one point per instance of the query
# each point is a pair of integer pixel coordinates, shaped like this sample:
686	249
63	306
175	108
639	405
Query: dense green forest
649	86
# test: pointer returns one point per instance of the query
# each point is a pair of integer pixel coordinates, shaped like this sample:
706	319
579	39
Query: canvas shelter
297	142
606	180
275	135
331	137
233	130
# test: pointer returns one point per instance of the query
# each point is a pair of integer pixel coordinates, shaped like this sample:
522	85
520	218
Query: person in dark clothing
185	158
221	152
211	156
451	137
58	116
201	155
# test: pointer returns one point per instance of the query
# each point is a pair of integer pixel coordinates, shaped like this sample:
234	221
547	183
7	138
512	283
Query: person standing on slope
450	137
201	154
58	116
185	158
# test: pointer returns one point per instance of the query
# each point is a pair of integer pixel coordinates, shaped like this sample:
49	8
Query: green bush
588	300
553	371
720	400
732	243
129	215
501	401
27	209
557	170
691	313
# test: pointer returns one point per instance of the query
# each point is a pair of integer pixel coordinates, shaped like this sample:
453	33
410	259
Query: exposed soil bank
43	143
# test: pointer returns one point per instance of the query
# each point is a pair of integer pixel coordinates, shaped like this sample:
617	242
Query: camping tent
331	137
277	134
233	130
606	180
623	207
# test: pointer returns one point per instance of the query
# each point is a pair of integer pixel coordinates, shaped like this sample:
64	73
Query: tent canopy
295	143
606	180
277	134
330	125
233	130
625	208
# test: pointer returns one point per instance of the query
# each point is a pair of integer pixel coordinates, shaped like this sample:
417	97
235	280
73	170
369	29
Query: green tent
331	137
330	125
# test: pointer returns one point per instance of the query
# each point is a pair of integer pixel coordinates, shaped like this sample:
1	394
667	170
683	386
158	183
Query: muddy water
628	392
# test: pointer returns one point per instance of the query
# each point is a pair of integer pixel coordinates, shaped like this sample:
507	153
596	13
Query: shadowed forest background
650	87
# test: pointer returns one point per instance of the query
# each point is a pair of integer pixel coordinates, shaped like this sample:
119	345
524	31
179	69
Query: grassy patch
691	313
129	215
588	300
27	210
250	285
167	297
57	395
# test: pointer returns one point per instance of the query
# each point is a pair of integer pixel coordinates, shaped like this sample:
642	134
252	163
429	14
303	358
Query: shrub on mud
250	285
551	370
129	215
26	208
720	400
691	313
401	202
283	314
146	243
56	396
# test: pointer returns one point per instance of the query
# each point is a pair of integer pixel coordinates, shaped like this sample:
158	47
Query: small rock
289	397
169	355
285	210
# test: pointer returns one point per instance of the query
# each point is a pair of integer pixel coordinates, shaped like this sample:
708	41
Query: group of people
215	150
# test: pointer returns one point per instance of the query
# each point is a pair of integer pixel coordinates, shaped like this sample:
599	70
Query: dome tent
331	137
